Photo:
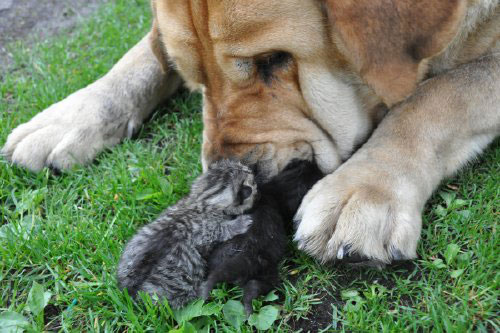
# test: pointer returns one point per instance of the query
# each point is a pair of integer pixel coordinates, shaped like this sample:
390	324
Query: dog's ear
388	41
156	42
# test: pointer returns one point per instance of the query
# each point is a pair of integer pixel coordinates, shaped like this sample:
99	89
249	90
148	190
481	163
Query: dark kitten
251	259
167	256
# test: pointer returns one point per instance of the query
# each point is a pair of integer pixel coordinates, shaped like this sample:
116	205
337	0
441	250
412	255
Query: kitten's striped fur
168	256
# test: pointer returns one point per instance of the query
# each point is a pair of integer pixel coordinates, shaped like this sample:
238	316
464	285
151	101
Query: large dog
419	81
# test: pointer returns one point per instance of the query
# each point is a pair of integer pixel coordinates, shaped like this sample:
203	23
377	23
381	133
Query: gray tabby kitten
168	256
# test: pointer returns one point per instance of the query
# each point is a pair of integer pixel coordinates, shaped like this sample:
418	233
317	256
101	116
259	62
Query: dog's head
298	79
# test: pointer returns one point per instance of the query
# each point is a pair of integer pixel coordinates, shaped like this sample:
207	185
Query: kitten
168	256
251	259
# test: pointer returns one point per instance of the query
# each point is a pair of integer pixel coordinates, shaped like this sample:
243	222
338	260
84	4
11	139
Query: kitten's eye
268	64
245	192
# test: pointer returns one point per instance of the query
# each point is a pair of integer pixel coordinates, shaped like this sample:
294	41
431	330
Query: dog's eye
279	58
268	64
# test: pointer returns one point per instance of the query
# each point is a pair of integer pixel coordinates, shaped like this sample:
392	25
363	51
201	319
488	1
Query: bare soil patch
30	20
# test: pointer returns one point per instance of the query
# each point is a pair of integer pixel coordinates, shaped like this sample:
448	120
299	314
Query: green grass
66	232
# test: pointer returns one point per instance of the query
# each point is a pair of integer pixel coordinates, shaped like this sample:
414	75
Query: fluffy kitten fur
251	259
168	256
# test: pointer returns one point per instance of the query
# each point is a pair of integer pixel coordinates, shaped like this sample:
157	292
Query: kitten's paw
254	289
241	224
205	289
245	222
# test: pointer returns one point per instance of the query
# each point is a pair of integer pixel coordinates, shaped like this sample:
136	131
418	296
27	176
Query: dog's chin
323	152
269	168
267	160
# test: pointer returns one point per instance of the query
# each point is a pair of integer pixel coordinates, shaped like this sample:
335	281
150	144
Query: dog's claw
345	254
397	255
340	253
369	263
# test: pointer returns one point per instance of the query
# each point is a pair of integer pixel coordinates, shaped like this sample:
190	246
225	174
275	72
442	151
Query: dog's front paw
70	132
360	214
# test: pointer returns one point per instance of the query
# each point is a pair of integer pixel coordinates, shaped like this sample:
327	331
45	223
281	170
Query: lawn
61	235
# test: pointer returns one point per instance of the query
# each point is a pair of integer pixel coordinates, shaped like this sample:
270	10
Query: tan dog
308	79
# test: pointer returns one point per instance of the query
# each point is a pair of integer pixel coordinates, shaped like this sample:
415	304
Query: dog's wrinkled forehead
201	35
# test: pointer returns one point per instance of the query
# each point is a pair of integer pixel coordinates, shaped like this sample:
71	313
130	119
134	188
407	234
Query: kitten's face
227	185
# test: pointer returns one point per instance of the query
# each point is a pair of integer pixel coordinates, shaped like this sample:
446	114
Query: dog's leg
371	206
98	116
